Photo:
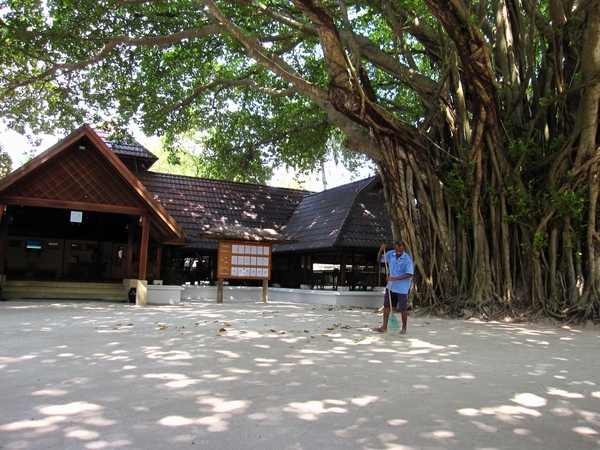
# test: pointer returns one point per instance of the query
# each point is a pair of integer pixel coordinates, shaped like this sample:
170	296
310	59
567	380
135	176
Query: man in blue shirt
399	280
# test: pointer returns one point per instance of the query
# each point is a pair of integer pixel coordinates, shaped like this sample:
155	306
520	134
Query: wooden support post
143	257
220	291
129	268
342	279
265	291
3	239
158	268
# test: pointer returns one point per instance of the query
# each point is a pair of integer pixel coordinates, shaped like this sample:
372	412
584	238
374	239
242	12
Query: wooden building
90	208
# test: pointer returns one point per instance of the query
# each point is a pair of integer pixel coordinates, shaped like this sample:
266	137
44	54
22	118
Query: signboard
244	260
76	216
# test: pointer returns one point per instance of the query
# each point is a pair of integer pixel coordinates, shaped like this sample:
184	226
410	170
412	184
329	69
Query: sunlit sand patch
562	412
312	410
166	376
530	400
230	406
417	343
238	370
503	412
563	393
43	425
175	421
536	341
82	434
364	401
69	409
441	434
227	353
461	376
181	383
217	423
170	356
50	392
397	422
485	427
521	432
219	405
510	411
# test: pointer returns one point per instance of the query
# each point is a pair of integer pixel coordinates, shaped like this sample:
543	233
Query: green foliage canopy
170	67
5	163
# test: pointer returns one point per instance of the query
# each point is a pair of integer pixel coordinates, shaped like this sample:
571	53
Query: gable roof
201	205
80	171
351	216
133	154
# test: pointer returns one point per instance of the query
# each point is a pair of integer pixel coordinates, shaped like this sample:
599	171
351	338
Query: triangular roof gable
81	170
328	219
130	152
367	224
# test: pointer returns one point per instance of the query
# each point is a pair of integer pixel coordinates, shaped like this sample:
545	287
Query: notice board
244	260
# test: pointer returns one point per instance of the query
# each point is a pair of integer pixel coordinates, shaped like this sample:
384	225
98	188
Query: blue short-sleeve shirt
398	267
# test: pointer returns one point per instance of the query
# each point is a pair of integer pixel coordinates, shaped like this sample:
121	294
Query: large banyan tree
481	116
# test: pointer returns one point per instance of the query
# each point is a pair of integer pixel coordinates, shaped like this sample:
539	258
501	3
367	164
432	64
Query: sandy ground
245	375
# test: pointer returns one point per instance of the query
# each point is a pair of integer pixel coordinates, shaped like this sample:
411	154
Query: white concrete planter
164	295
365	299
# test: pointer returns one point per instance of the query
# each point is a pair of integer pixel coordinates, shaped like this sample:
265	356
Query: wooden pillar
129	261
143	264
220	291
342	280
265	291
3	239
158	269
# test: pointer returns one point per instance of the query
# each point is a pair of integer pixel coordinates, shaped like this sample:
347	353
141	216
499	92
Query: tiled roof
238	233
199	204
350	216
128	149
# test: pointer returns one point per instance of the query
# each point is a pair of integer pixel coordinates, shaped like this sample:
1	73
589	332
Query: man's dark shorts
397	300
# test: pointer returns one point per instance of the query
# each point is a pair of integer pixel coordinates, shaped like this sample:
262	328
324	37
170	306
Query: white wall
365	299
